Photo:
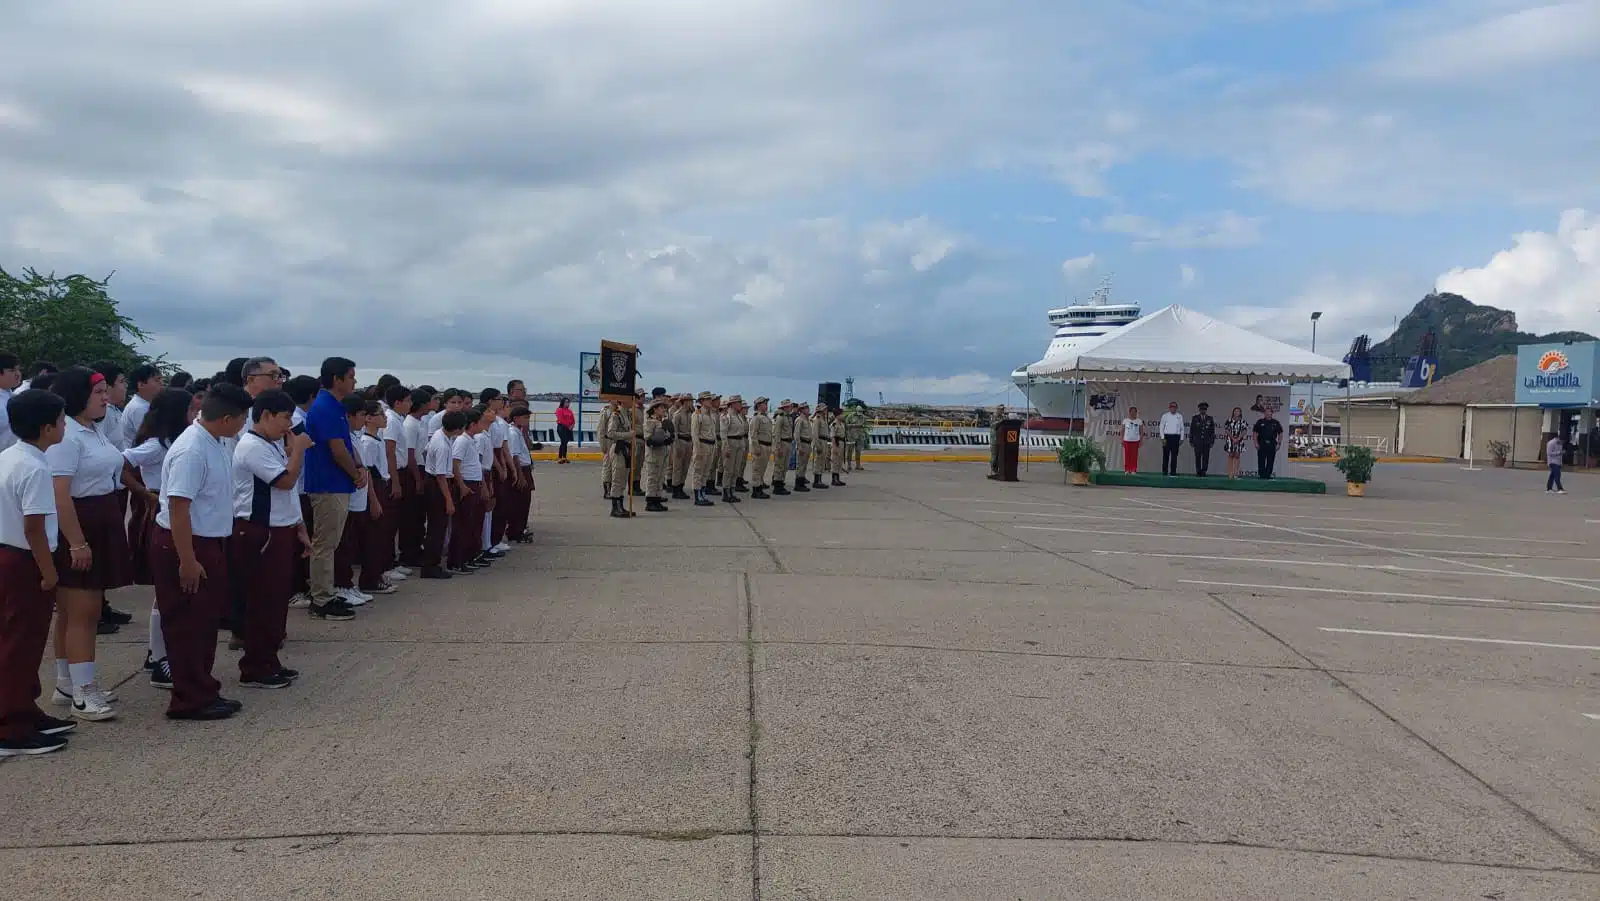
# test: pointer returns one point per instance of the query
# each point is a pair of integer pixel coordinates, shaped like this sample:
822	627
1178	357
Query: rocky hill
1467	334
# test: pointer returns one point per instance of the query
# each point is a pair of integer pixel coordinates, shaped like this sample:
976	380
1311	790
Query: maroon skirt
141	529
101	520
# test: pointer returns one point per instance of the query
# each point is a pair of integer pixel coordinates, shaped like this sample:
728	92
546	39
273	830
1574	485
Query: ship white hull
1053	398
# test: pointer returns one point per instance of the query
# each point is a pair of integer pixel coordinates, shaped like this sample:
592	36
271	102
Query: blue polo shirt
326	423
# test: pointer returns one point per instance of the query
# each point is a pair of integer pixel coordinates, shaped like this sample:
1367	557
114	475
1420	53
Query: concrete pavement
924	685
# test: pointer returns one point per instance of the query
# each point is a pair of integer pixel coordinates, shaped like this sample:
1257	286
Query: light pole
1311	402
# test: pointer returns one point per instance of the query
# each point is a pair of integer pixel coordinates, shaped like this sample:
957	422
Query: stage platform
1209	483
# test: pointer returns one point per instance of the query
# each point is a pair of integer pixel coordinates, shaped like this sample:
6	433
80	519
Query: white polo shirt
499	433
371	451
435	422
197	467
485	449
519	448
86	455
1172	424
26	489
465	449
7	438
148	457
132	417
257	463
394	429
437	461
416	440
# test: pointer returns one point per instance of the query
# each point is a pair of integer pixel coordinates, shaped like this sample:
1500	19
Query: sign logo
619	368
1553	375
1552	361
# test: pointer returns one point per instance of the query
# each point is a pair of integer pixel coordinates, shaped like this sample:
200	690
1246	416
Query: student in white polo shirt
413	513
466	527
439	464
169	415
520	502
10	382
396	447
28	536
189	553
268	535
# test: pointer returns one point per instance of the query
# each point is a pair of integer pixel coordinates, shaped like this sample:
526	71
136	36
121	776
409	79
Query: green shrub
1356	463
1080	455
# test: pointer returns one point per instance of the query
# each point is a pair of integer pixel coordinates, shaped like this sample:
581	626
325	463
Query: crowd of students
236	498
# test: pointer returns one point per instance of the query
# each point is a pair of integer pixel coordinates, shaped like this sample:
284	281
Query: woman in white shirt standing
93	556
1132	435
160	424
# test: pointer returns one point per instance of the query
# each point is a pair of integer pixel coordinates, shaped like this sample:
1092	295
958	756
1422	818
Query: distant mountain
1466	334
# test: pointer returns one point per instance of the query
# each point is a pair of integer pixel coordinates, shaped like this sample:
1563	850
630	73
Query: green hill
1467	334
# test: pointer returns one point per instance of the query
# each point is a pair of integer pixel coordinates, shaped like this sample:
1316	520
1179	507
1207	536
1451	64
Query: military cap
760	400
735	399
705	396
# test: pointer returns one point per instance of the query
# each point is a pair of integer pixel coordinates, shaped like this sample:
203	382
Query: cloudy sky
769	193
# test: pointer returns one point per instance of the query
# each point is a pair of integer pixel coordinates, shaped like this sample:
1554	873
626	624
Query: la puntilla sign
1556	375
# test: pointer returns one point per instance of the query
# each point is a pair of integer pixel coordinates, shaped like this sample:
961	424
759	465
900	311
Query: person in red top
565	420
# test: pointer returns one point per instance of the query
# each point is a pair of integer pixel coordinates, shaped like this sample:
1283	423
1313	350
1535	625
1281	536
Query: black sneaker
49	725
462	571
111	614
478	563
335	610
161	676
436	572
31	745
230	703
107	628
276	680
149	661
290	674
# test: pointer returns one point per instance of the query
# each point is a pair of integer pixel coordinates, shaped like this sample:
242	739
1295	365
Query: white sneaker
404	570
352	597
394	575
300	601
503	548
62	697
91	704
385	588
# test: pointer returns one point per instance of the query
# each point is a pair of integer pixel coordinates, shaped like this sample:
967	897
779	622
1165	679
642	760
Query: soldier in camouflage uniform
658	442
762	437
802	440
733	436
703	429
821	446
683	448
619	428
836	428
601	432
855	435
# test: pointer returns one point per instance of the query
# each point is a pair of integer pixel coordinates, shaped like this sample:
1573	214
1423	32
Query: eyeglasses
276	375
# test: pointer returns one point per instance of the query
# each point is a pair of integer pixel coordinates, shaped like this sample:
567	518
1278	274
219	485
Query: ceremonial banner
619	371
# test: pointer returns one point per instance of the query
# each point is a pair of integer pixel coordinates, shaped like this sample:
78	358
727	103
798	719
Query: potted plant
1500	450
1356	463
1078	456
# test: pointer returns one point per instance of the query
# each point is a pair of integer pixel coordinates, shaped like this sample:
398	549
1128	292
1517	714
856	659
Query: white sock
158	641
487	519
63	674
82	673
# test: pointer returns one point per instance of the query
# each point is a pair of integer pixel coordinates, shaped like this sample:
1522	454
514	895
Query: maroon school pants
466	533
24	628
302	565
521	503
500	516
438	523
366	543
263	560
411	520
189	621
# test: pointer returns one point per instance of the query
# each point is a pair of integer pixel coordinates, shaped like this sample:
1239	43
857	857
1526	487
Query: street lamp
1314	317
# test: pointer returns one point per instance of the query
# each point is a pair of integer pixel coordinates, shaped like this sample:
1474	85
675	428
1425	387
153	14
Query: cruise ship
1060	402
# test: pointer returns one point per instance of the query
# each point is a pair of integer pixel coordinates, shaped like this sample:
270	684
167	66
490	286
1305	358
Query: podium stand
1005	447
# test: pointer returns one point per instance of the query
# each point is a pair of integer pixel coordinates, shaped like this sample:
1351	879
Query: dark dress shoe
216	710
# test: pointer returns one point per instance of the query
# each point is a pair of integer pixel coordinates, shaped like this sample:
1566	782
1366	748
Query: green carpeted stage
1209	483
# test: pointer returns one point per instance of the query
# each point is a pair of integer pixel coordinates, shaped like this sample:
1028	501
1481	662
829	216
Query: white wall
1152	401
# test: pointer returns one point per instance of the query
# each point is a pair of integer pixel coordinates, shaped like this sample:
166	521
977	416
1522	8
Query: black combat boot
728	497
838	481
760	493
654	505
617	509
816	482
741	486
800	483
700	499
678	494
779	488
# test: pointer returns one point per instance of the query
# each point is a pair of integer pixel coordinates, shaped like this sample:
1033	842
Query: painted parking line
1467	638
1593	716
1155	535
1213	522
1385	567
1387	594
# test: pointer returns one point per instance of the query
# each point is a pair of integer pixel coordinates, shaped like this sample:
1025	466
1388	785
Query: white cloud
1226	229
1551	280
1077	266
1188	275
1488	46
1349	307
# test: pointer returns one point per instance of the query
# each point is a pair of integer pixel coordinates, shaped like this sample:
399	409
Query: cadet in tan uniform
836	456
601	432
762	436
741	455
658	442
619	428
821	446
783	431
733	434
683	448
703	429
802	440
639	417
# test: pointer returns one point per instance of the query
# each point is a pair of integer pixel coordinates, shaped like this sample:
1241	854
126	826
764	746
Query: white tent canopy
1177	345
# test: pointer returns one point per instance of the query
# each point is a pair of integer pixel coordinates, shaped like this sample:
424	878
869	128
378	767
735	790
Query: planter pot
1355	489
1500	462
1080	478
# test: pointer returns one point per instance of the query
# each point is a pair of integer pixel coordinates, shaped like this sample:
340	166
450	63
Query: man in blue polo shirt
331	476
